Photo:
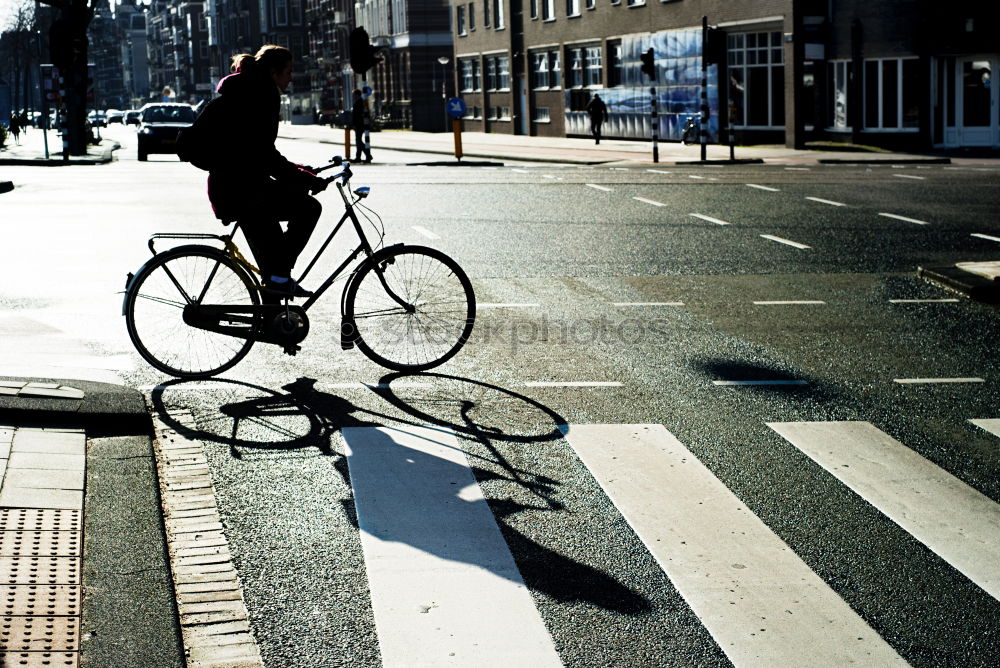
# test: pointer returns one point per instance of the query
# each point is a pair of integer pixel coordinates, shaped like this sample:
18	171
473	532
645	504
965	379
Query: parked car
159	124
132	117
97	119
114	116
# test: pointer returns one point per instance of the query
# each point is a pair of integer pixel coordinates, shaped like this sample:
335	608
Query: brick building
902	73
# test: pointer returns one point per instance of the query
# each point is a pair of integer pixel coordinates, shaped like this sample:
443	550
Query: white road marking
825	201
984	236
659	171
709	219
763	605
910	176
759	187
507	305
521	171
788	302
992	426
649	201
924	301
750	383
577	383
597	187
785	241
926	381
649	303
955	521
424	231
619	169
548	176
692	176
444	587
904	218
797	169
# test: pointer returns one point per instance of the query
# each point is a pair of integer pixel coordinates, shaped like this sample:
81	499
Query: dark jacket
597	109
247	158
360	116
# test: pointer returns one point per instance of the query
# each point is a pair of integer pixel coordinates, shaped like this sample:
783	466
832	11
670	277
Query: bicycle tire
417	341
154	310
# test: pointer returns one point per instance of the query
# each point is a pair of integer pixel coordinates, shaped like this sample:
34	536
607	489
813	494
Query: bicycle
691	133
194	311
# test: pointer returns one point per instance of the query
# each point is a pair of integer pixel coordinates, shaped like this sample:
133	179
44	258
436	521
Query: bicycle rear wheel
432	323
154	311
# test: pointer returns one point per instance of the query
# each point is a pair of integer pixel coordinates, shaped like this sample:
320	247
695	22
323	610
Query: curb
107	155
722	161
965	283
885	161
101	408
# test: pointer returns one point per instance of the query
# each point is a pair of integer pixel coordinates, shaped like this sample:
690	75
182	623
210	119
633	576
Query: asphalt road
580	281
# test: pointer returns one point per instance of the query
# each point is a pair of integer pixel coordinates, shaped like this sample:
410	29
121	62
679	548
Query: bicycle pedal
291	350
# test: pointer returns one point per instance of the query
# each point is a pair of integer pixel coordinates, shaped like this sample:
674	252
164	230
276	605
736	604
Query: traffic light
363	53
715	46
648	67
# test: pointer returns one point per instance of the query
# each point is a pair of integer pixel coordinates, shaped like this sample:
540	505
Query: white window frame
881	97
840	74
548	10
460	20
572	8
498	15
281	12
540	70
593	67
739	55
503	73
575	70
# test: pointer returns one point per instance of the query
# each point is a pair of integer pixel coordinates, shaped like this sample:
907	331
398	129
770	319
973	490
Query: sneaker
288	288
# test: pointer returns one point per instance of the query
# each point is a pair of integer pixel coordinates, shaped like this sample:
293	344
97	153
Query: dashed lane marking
427	233
751	383
694	176
789	302
787	242
709	219
760	187
649	201
507	305
575	383
797	169
648	303
924	301
597	187
659	171
990	425
825	201
904	218
521	171
923	381
910	176
985	236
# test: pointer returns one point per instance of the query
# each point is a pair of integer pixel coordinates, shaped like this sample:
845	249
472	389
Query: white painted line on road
924	301
797	169
548	176
990	425
521	171
924	381
619	169
785	241
579	383
692	176
760	602
910	176
760	187
904	218
751	383
984	236
955	521
825	201
506	305
648	303
597	187
424	231
709	219
649	201
444	587
371	386
787	302
659	171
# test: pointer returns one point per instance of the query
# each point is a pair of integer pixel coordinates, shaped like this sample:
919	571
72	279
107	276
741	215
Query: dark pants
595	128
275	249
359	142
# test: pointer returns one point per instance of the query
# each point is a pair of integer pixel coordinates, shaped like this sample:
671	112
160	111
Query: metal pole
656	126
703	131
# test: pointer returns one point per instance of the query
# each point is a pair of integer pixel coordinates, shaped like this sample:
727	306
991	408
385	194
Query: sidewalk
31	151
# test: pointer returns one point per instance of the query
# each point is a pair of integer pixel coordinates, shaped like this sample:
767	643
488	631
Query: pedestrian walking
249	180
598	112
361	121
15	128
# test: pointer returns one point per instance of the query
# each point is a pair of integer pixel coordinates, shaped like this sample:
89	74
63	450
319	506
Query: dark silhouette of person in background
598	114
361	121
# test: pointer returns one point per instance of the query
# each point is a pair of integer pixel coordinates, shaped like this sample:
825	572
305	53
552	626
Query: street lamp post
444	86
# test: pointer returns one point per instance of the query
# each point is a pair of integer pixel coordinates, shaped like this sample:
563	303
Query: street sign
456	107
366	92
50	82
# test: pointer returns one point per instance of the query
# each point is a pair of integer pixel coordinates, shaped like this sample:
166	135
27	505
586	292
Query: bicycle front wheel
413	308
154	311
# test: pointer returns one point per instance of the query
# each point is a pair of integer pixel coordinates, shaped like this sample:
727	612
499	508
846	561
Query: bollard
347	143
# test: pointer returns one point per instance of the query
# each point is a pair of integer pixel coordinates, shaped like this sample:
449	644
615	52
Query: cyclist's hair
268	57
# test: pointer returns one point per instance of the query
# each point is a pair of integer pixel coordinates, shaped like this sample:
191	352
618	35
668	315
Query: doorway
972	109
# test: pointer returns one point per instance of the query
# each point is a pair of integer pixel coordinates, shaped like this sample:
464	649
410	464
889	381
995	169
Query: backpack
201	144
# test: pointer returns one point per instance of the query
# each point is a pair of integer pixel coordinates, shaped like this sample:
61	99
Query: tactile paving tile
48	600
40	543
40	519
39	570
39	659
39	634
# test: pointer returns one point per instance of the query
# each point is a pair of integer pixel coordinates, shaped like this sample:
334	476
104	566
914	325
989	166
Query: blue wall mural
678	89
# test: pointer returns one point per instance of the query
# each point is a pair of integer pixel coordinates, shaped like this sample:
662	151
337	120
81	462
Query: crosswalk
446	590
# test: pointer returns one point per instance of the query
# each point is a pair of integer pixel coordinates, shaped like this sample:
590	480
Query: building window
460	19
548	10
891	94
296	15
498	15
572	7
465	70
757	79
486	13
541	115
477	76
636	3
615	64
281	12
592	66
503	73
472	17
491	74
555	69
534	9
840	78
575	78
540	70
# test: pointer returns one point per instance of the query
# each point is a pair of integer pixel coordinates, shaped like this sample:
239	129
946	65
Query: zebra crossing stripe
735	573
992	426
444	587
953	520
